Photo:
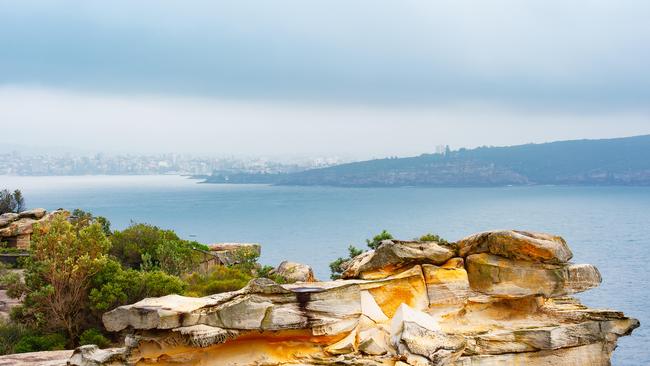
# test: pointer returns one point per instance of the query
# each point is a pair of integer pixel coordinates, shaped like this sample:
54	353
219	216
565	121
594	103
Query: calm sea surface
605	226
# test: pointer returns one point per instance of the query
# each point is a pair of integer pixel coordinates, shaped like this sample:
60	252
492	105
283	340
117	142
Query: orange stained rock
411	291
283	346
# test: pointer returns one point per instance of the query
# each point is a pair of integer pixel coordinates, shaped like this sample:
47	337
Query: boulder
392	255
501	277
295	272
7	218
19	227
36	213
523	245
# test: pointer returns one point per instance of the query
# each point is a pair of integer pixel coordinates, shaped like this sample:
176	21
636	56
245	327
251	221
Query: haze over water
605	226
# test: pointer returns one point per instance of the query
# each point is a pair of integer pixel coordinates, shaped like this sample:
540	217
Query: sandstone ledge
406	303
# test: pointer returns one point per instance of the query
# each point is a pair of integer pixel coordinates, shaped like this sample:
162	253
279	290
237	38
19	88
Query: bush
376	241
82	218
10	335
147	247
218	279
114	286
94	336
37	343
433	237
339	265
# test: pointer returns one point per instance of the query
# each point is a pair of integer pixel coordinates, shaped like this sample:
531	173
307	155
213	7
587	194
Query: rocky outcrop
490	300
295	272
231	253
16	228
392	255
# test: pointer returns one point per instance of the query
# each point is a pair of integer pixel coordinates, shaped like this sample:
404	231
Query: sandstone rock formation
16	228
295	272
497	298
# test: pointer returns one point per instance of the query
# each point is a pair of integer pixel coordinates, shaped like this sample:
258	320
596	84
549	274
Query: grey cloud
550	54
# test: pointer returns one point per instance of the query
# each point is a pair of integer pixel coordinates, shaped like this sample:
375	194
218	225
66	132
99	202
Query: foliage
433	237
64	259
11	282
114	286
37	343
83	218
246	258
10	335
11	201
94	336
147	247
338	266
218	279
377	239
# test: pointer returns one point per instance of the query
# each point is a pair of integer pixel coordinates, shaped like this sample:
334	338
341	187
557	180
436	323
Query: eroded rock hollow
494	298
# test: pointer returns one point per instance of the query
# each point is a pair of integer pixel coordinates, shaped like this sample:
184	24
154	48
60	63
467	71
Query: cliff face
494	298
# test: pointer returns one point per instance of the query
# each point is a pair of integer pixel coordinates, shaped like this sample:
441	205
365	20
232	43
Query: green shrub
377	239
37	343
337	267
114	286
94	336
64	259
82	218
147	247
433	237
218	279
10	335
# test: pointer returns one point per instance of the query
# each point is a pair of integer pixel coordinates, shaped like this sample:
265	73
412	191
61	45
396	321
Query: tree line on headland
619	161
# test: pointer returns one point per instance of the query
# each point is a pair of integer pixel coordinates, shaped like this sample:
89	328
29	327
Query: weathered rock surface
404	304
16	229
46	358
295	272
393	255
524	245
497	276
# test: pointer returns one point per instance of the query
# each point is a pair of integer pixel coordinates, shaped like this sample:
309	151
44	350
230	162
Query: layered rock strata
496	298
16	228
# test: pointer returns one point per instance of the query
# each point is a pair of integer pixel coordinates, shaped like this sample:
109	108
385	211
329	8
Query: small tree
339	266
377	239
64	259
11	202
82	218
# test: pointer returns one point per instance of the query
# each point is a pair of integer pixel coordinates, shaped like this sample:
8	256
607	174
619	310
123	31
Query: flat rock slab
46	358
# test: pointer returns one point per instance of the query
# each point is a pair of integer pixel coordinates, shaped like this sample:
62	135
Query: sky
355	79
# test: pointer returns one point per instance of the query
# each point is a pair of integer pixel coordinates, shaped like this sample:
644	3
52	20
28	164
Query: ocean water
606	226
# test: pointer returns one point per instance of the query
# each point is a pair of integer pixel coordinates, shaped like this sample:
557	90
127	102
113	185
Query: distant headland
617	161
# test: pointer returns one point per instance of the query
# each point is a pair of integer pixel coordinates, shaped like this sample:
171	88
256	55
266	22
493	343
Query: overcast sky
349	78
